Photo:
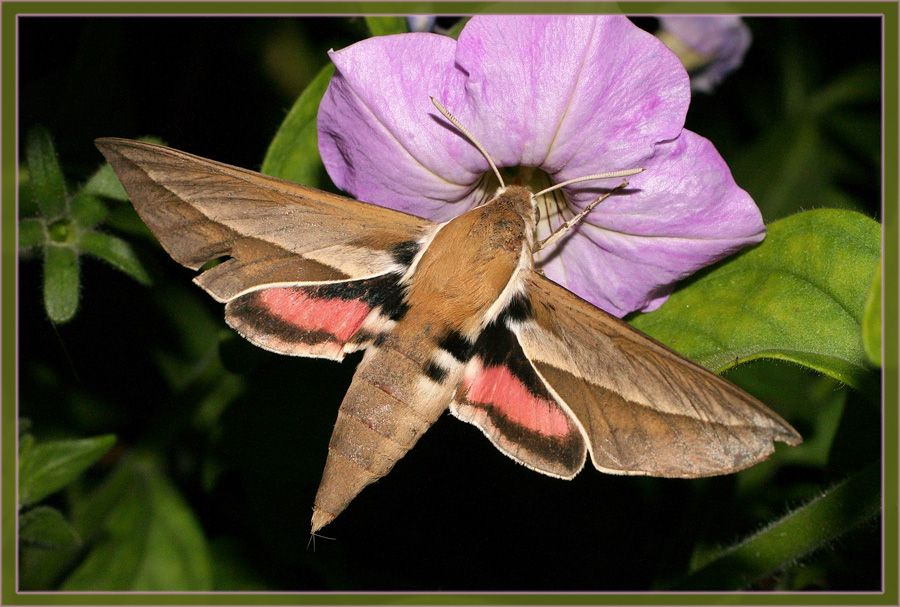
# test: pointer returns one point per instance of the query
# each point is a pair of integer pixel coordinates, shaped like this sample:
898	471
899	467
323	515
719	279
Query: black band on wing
382	292
498	347
456	345
519	309
404	252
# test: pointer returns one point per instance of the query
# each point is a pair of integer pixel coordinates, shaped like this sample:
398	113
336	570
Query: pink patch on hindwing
506	394
339	317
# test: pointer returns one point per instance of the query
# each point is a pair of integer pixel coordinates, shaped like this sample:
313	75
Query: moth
451	315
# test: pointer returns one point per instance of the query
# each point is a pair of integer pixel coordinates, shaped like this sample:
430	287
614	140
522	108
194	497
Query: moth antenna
469	135
622	173
566	226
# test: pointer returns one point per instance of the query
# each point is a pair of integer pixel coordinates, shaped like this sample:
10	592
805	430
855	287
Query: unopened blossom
420	23
711	46
550	98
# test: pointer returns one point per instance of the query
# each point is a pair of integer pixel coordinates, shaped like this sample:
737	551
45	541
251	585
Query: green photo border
8	275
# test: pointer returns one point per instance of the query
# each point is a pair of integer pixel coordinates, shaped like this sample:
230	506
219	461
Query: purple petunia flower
550	98
712	46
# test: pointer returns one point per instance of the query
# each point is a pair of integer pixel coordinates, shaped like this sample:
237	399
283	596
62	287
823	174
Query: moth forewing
201	210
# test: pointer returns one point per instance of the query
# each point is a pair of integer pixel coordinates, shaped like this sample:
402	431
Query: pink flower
550	98
719	44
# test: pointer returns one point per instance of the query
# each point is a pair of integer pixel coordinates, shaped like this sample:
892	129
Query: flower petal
573	95
684	212
535	90
380	137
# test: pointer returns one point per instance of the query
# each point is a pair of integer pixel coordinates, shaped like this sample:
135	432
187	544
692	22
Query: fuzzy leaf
104	183
854	86
27	205
61	282
808	528
31	233
872	320
48	187
146	536
294	152
88	210
45	527
26	440
117	252
798	296
48	467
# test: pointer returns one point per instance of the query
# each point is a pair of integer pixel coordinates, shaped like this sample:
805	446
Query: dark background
455	514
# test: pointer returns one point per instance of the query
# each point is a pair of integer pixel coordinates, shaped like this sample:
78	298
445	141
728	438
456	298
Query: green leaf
48	467
803	169
859	84
806	529
105	184
26	441
31	233
294	152
809	399
88	210
116	251
126	220
858	132
871	328
385	26
798	296
45	527
61	282
48	187
27	205
145	537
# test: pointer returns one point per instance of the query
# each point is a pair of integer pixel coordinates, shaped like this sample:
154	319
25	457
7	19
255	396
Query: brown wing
273	231
645	409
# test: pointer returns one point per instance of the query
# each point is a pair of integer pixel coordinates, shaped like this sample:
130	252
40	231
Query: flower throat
551	198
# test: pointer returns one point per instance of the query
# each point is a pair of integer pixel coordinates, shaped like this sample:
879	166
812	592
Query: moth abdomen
384	413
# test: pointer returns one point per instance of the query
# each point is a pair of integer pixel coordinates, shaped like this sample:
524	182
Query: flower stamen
567	225
622	173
